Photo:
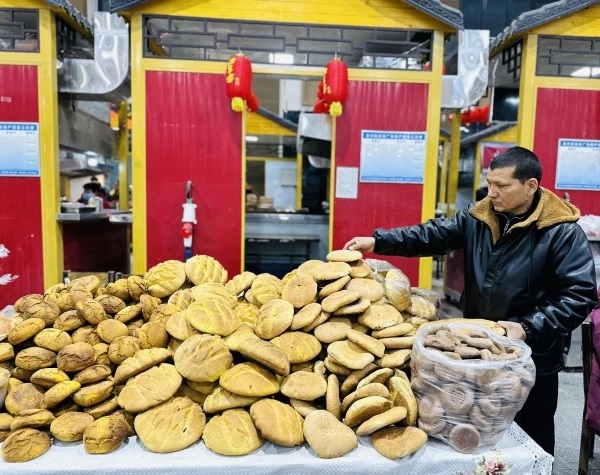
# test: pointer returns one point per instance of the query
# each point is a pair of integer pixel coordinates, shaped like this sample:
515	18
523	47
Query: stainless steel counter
287	218
291	225
112	216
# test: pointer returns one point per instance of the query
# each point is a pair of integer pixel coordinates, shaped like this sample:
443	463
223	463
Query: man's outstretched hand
513	330
362	244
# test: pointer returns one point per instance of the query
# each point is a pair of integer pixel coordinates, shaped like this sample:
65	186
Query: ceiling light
251	138
585	72
281	58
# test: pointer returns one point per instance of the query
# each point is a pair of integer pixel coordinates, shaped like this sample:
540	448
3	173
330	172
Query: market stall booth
29	178
184	128
551	55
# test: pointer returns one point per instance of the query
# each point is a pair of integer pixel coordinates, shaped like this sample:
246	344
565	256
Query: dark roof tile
535	18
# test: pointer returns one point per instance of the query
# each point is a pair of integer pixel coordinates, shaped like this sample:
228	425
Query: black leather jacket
540	273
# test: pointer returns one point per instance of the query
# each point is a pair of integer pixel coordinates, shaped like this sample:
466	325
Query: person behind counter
88	193
527	265
94	190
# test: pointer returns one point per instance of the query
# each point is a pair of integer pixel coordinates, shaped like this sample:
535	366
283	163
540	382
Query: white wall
280	183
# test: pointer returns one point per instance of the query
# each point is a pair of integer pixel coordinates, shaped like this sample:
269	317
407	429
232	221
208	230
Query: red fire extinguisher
188	220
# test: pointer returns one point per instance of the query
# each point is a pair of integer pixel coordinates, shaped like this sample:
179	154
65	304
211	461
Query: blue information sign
19	149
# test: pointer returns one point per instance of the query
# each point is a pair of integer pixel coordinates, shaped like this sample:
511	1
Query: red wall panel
192	134
572	114
378	106
20	201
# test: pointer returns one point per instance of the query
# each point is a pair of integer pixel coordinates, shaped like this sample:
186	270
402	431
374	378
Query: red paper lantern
335	85
321	107
320	91
238	81
466	117
252	102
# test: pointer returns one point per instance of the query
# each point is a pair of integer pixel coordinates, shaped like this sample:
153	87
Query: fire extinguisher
188	220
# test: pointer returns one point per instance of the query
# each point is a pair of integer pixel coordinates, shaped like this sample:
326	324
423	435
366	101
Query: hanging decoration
335	85
238	82
252	103
476	115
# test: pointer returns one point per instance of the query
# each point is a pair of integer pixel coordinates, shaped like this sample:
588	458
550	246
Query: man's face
507	193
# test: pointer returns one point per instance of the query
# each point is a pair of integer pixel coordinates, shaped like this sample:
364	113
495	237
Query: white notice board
19	149
346	182
392	157
578	164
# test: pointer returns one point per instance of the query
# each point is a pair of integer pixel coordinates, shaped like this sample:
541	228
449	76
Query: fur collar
549	211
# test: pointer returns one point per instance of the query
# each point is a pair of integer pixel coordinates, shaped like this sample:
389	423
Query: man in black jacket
527	266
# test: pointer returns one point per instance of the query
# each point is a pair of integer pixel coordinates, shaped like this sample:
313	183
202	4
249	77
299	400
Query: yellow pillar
331	182
453	173
243	184
444	175
527	94
52	244
434	112
298	181
138	147
477	173
123	158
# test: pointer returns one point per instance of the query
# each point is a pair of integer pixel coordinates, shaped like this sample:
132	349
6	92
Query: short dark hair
526	163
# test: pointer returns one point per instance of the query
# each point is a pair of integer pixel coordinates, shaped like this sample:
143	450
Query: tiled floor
568	415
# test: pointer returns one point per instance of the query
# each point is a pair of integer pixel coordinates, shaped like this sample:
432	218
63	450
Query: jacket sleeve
436	237
573	295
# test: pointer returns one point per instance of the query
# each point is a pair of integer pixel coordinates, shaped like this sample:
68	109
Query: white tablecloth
436	458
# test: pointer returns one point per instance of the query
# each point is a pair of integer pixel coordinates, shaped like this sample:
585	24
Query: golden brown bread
75	357
398	442
249	379
165	278
350	354
202	358
172	426
94	393
365	408
24	445
69	427
35	358
265	353
274	317
232	433
299	347
104	435
278	422
389	417
221	400
401	394
300	290
150	388
304	386
52	339
58	393
327	436
202	268
141	361
24	396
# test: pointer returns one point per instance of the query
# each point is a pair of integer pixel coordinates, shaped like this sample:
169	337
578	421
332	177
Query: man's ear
532	186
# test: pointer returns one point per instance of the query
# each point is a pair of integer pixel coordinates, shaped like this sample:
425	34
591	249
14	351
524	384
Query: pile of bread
185	353
469	381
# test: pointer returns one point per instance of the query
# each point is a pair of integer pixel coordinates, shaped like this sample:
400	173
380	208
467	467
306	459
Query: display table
516	450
